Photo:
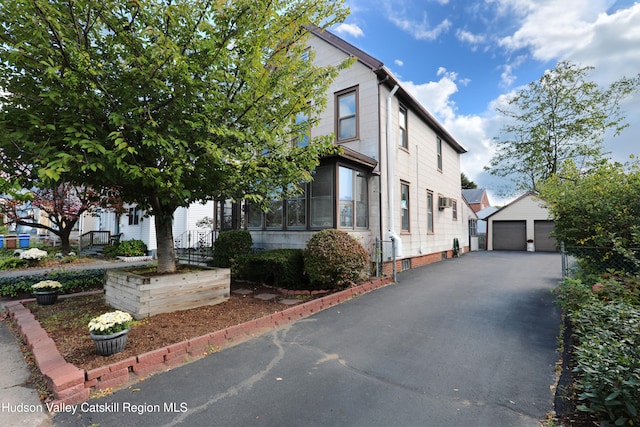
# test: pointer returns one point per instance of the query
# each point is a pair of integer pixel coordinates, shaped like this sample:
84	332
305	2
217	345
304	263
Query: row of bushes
71	281
605	315
331	259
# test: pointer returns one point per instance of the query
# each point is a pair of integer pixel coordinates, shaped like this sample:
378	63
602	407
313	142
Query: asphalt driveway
465	342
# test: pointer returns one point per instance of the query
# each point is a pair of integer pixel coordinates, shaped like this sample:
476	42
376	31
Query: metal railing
94	238
195	246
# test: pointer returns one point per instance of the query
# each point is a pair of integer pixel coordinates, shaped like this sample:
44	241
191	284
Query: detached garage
522	220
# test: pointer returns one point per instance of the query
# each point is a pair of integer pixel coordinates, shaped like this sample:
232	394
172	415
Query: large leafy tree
172	101
597	207
562	116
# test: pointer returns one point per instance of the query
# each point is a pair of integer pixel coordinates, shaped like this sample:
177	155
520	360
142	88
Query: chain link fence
590	259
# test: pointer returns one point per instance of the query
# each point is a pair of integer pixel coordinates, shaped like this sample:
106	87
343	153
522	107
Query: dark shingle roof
473	195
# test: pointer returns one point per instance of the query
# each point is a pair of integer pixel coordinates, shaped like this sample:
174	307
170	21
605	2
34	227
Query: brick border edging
71	385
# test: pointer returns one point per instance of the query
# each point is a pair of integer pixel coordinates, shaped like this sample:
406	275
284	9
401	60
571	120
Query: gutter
391	159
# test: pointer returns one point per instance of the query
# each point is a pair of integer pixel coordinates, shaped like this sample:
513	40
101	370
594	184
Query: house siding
528	208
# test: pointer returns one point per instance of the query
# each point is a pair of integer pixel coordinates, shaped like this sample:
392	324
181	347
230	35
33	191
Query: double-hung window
454	210
439	153
347	115
404	205
402	119
429	212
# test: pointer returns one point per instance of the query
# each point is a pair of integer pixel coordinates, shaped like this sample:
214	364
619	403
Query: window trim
404	184
430	212
439	153
355	174
404	142
355	90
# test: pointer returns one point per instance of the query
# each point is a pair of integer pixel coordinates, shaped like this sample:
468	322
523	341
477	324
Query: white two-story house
398	176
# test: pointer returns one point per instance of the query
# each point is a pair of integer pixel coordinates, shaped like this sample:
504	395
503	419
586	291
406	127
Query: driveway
465	342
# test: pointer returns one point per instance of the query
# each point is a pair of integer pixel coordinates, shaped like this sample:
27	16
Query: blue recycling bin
24	240
1	242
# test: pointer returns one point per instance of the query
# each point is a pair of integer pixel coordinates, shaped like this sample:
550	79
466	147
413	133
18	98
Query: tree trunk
166	252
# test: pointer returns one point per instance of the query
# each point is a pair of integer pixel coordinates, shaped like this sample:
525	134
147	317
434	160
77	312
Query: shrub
283	268
335	259
111	251
132	247
72	281
229	245
608	360
13	262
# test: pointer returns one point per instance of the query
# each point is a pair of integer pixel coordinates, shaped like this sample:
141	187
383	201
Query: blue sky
461	58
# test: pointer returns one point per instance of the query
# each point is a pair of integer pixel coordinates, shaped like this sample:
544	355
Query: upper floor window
347	114
404	205
402	119
302	123
439	151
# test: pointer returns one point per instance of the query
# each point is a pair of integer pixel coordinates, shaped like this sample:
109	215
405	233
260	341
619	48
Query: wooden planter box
145	296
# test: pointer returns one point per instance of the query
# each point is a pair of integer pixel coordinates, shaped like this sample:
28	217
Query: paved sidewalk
19	403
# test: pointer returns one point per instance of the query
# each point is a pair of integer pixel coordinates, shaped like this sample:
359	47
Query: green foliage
283	268
608	361
605	313
72	281
596	214
170	102
110	251
333	258
561	116
466	183
131	247
8	263
229	245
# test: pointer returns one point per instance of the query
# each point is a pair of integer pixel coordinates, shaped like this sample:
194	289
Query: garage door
542	236
509	235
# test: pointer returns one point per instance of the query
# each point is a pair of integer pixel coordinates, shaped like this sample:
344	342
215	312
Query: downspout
391	159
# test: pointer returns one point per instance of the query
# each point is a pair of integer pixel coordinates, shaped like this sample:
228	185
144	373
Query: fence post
563	255
393	251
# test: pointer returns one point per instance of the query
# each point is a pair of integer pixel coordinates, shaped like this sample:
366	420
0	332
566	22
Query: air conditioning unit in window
445	202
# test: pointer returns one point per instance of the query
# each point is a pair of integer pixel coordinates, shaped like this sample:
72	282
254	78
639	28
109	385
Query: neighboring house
477	198
398	174
525	219
474	222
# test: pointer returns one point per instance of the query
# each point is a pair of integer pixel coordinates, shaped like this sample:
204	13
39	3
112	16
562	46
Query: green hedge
229	245
72	281
605	314
283	268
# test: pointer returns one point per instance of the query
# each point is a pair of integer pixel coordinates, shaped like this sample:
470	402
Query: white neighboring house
133	224
398	175
525	224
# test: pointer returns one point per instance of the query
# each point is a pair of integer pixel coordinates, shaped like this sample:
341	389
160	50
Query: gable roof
388	79
525	195
473	195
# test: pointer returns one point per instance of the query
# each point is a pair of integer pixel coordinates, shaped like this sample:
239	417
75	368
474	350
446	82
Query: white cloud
351	29
405	20
398	62
474	40
435	96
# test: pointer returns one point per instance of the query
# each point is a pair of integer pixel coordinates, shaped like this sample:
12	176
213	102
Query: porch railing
94	238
